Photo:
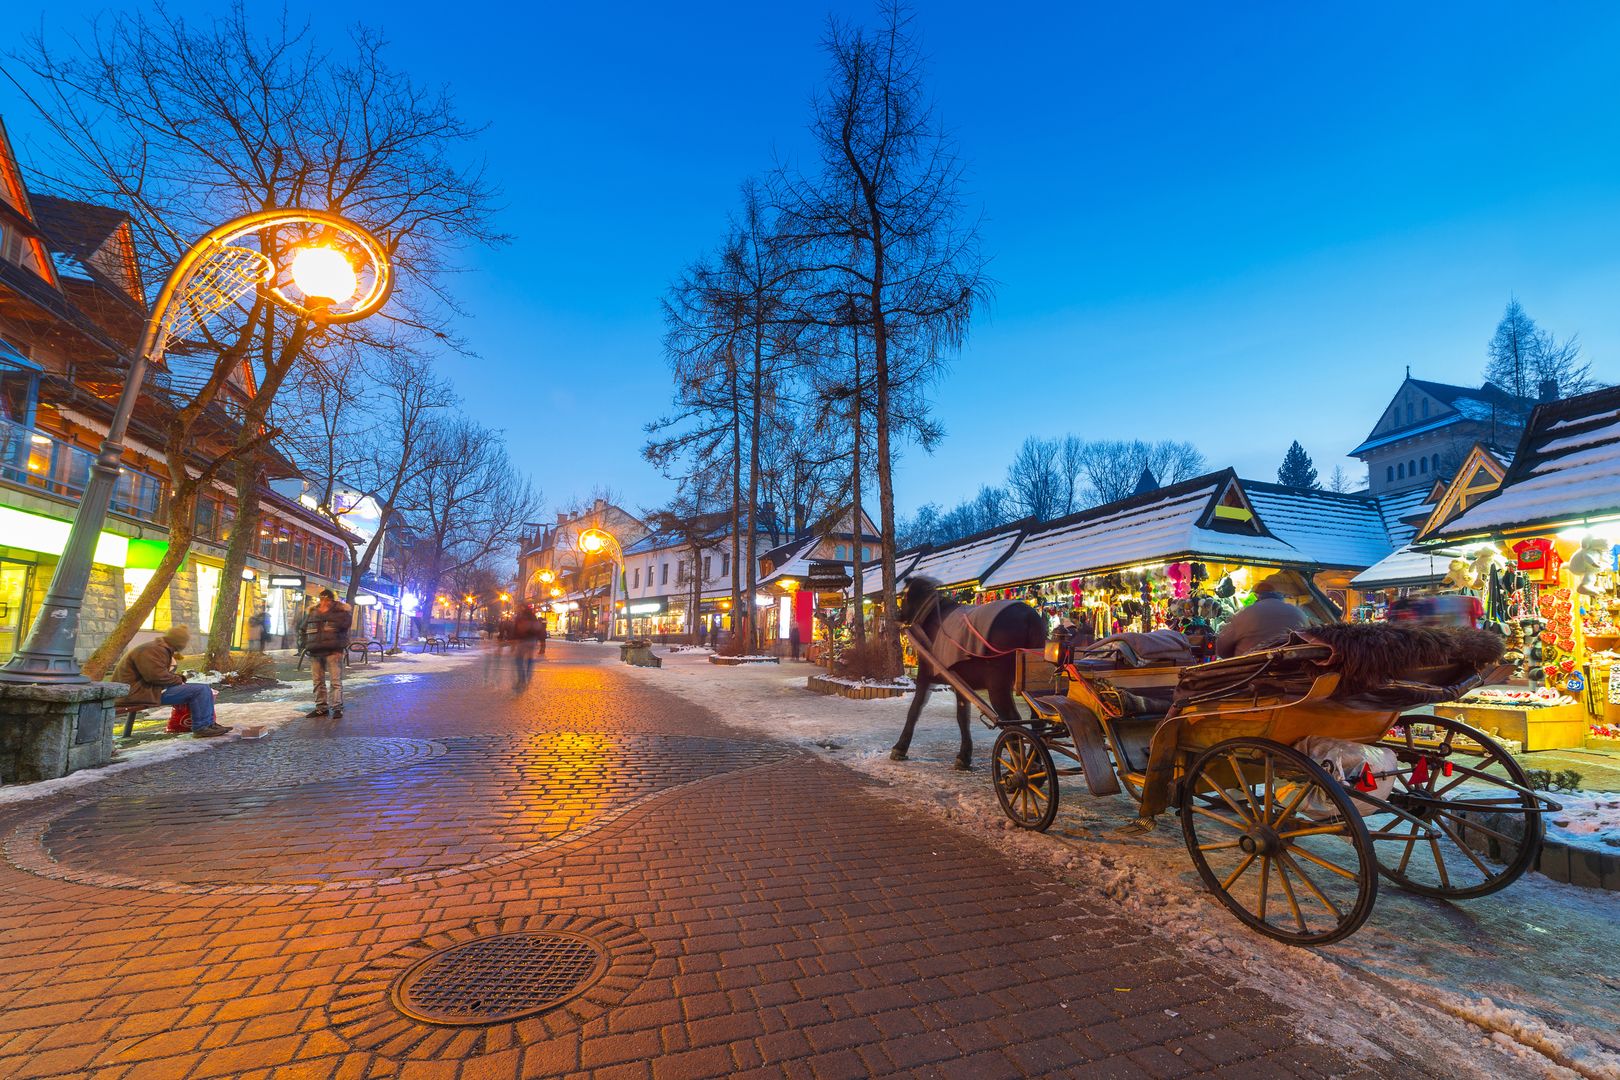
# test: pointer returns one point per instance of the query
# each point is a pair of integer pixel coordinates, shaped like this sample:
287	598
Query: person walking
528	630
150	672
794	640
324	635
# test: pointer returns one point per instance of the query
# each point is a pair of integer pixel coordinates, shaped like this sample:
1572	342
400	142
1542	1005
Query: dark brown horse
993	633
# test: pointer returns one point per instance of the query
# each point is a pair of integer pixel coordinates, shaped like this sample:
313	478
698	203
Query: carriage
1299	773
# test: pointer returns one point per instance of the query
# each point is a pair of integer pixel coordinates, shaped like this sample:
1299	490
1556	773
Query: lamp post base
50	730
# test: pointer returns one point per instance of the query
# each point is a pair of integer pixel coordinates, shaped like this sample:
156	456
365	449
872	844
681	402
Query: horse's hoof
897	754
961	766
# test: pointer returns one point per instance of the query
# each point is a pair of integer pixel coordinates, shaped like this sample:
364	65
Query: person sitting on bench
149	670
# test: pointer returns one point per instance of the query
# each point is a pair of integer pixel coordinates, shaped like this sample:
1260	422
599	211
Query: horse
988	662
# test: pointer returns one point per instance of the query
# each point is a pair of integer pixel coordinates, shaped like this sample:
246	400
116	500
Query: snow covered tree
1297	470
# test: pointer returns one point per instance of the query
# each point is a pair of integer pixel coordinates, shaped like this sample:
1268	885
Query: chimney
1549	390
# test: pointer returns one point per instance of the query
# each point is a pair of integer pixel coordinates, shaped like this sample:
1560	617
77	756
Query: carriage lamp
324	275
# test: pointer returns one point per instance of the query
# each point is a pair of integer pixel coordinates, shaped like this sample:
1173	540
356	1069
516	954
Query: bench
362	649
131	713
433	644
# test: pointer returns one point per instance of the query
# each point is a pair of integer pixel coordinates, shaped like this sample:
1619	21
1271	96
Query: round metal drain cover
494	979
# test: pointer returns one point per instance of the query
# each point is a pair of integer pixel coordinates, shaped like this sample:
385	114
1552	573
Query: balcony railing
33	459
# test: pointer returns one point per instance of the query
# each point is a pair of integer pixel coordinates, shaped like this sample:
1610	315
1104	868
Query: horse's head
915	599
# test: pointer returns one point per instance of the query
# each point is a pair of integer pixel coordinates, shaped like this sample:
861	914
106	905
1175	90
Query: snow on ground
1502	986
1589	819
273	708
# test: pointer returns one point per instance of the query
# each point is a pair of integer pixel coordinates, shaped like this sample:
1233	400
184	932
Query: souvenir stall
1185	557
1406	575
1540	557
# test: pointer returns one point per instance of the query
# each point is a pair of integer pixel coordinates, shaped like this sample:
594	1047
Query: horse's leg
999	684
964	756
918	700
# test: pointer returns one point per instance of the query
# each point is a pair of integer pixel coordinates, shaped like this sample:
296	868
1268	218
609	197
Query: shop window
135	581
19	386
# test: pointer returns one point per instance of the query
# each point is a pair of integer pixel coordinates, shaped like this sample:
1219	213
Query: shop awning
1406	568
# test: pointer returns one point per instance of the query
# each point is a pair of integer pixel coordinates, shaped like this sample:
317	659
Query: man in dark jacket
149	671
325	634
528	634
1265	622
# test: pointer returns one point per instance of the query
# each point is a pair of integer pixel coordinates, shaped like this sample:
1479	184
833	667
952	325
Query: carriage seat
1161	648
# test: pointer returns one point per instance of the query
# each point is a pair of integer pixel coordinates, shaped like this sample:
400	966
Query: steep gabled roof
1462	403
1566	471
1333	530
1481	473
1205	517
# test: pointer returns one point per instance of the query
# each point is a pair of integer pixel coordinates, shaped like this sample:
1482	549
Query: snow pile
1589	819
1501	986
899	682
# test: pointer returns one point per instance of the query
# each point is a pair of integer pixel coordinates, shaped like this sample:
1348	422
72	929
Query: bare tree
188	124
1530	363
1339	480
1035	480
362	439
1112	467
883	220
468	510
691	519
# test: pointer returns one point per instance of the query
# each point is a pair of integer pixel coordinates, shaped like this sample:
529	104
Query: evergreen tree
1297	470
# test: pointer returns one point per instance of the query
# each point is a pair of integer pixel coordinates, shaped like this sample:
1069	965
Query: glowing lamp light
323	274
547	577
556	591
592	541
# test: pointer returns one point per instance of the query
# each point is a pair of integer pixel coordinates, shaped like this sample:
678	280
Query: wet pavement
716	902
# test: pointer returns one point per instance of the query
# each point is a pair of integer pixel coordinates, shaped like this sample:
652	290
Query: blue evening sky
1234	224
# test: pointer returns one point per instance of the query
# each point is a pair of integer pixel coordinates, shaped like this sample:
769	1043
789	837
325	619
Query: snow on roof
1567	467
1139	530
1396	506
1331	529
1406	567
964	561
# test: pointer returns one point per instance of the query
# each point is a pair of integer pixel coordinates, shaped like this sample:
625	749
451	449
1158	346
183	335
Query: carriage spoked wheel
1485	835
1278	840
1025	778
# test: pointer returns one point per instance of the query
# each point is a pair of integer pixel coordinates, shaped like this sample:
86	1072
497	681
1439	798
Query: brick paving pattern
764	912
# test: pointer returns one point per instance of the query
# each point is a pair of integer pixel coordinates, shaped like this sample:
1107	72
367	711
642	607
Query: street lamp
212	274
601	542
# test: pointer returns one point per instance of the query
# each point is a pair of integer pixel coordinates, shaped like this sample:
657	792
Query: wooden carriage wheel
1489	834
1278	841
1025	778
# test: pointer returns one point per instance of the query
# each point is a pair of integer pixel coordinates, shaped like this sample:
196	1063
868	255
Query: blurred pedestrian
528	631
324	635
151	673
794	640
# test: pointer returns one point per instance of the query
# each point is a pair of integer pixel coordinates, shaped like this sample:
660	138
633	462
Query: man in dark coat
324	635
528	634
1265	622
149	671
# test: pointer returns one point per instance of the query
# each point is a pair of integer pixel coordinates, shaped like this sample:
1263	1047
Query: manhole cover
494	979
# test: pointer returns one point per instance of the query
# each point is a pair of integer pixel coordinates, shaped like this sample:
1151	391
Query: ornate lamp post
602	542
212	274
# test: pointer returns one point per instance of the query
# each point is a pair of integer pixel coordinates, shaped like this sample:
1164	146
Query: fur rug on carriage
1378	664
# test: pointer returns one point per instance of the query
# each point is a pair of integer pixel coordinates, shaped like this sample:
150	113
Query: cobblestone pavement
731	907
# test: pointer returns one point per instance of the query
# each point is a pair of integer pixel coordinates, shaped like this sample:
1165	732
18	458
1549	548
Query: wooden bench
433	644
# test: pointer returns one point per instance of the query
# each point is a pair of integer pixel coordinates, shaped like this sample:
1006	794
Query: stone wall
103	606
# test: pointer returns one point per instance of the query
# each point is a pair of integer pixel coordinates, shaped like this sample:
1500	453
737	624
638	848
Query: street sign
286	581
